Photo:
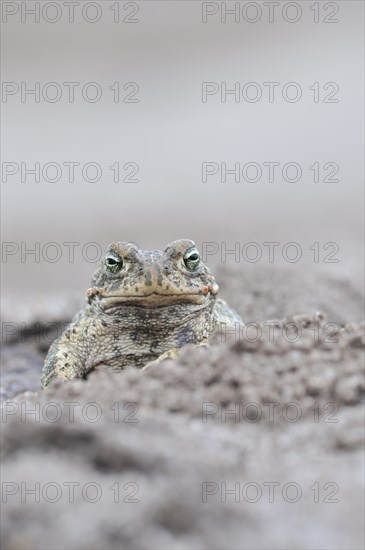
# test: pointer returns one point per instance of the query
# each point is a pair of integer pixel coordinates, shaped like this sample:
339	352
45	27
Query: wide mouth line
167	295
154	299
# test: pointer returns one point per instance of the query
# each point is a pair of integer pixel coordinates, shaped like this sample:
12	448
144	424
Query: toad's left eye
191	259
113	263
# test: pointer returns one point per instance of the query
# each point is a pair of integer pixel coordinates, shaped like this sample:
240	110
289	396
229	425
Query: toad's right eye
113	263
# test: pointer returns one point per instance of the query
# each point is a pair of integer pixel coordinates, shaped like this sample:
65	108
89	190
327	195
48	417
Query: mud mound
255	442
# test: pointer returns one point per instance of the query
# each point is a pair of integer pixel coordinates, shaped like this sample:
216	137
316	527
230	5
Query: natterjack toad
142	306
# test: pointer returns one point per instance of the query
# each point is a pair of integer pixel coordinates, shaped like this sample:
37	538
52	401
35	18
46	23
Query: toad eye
113	263
191	259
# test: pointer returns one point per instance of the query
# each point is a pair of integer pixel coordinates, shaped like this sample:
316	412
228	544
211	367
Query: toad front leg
171	354
225	316
66	357
87	343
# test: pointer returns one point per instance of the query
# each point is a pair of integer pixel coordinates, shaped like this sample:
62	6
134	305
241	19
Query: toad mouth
153	299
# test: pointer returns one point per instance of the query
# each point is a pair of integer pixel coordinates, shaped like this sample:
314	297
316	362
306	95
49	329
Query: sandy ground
254	445
256	442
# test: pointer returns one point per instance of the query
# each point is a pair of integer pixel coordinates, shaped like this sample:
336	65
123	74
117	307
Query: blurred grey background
169	52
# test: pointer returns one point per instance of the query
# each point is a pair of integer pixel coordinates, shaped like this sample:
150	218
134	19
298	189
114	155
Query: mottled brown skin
156	303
